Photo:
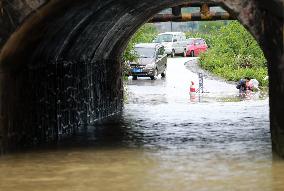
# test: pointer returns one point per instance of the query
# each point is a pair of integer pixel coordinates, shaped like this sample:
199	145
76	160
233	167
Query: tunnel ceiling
80	30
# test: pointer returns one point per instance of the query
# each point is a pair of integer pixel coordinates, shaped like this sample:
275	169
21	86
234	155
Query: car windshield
164	38
190	41
145	52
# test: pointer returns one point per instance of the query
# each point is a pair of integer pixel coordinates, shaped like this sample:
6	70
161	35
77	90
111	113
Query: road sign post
200	88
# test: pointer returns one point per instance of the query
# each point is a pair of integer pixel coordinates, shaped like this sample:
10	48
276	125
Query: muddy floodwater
165	140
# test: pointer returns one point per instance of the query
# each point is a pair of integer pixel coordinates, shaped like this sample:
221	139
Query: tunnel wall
60	60
13	13
51	101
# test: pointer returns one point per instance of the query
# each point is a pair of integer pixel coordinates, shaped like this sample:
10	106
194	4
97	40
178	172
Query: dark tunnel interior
61	68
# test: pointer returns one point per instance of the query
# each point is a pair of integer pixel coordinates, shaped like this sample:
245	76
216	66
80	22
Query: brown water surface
163	141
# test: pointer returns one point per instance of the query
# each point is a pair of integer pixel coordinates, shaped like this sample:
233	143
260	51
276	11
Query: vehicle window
145	52
164	38
190	41
196	42
178	38
181	38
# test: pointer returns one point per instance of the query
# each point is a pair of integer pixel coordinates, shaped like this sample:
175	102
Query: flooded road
165	140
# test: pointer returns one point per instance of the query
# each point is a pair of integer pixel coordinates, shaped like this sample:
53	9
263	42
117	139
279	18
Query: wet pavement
166	139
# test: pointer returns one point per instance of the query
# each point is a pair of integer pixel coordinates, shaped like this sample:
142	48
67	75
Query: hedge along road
164	140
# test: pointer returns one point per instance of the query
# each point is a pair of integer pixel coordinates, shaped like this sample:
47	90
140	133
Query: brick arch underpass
60	61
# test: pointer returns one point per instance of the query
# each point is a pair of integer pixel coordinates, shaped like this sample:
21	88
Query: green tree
145	34
209	26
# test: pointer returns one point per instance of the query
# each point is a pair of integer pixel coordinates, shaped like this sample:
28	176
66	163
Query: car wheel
155	75
163	74
134	77
173	53
184	53
192	53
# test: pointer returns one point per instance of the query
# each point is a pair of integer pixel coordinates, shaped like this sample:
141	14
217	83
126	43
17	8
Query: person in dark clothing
243	85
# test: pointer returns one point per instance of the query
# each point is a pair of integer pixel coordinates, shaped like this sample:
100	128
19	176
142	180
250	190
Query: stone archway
60	61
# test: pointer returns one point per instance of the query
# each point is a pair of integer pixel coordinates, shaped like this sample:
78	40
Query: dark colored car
151	61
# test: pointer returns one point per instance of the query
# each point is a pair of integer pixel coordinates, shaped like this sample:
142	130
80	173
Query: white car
174	43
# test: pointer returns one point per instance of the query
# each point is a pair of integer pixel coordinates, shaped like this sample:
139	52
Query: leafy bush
233	54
